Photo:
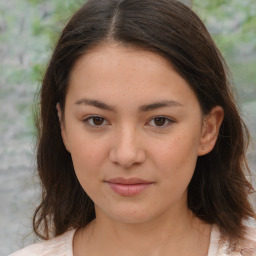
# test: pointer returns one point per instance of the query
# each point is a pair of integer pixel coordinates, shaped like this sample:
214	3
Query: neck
179	234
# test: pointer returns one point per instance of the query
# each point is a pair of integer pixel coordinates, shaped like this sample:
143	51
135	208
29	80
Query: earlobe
210	130
62	127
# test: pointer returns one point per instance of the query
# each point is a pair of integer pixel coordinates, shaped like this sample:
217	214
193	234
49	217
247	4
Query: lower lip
128	189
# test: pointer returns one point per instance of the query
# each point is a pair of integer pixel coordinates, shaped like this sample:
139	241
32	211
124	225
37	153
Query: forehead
120	56
114	71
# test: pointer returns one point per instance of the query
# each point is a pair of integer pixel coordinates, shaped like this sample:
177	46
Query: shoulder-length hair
218	191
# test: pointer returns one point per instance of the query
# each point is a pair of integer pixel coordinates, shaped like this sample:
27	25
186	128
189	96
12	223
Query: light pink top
62	246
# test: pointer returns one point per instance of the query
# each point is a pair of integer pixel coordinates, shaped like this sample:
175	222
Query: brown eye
97	120
159	121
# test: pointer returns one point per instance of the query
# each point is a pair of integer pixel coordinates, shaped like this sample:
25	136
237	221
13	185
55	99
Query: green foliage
37	72
233	27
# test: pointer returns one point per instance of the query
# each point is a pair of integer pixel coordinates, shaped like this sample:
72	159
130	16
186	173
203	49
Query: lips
128	187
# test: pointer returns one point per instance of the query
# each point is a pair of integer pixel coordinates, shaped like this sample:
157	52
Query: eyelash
90	118
167	121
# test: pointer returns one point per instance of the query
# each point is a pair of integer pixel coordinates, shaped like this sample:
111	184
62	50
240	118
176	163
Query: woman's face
134	129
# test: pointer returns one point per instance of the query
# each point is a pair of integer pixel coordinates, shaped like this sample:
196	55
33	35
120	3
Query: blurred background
28	32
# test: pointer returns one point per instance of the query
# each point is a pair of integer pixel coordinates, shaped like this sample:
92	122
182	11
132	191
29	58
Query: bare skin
135	129
190	239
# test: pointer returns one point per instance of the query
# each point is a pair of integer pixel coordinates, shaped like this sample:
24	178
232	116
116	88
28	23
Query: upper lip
130	181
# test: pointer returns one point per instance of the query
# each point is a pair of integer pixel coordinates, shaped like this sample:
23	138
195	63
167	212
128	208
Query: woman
141	147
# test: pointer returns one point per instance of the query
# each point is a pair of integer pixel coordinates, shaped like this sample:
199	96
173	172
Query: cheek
88	152
176	158
87	155
88	159
177	149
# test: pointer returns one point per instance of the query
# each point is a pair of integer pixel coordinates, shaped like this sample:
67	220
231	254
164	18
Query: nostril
126	158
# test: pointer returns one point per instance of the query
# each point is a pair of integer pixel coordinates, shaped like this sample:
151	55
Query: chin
131	216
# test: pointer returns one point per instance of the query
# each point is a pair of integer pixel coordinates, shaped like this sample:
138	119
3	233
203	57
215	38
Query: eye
95	121
160	121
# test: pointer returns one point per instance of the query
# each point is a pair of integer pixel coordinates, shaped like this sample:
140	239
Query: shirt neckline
212	251
69	242
214	241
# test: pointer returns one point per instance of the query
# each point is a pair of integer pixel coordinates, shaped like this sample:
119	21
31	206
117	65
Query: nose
127	149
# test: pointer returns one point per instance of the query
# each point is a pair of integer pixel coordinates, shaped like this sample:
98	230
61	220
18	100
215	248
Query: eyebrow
143	108
95	103
160	104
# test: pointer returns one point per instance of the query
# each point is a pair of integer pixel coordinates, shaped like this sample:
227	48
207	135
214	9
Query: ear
210	130
62	127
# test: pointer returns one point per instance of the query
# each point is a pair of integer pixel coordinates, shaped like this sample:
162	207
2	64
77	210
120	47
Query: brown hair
218	192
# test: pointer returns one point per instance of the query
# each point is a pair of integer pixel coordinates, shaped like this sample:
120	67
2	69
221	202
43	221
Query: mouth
128	187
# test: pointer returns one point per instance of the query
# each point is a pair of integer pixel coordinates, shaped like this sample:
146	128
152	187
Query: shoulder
248	245
251	233
244	247
60	245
